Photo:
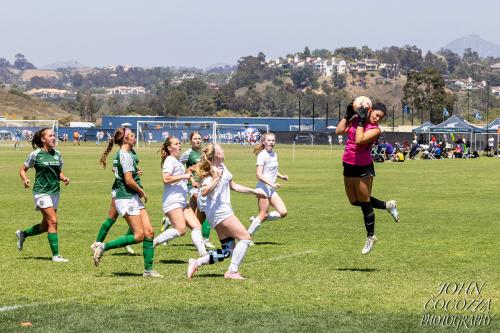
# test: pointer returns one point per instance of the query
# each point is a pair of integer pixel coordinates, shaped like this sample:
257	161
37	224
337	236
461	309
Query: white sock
166	236
203	260
274	215
197	240
240	250
256	223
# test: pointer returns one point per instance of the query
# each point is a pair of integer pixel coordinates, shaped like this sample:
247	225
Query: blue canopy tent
424	128
456	125
492	128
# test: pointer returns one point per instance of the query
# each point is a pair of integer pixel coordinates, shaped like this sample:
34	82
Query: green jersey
48	166
189	158
115	163
125	162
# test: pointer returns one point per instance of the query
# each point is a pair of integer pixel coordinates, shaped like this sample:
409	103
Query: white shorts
193	190
218	215
168	206
130	206
45	201
268	190
113	194
201	202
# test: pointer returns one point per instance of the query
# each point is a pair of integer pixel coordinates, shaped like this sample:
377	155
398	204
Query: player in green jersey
112	212
128	188
48	164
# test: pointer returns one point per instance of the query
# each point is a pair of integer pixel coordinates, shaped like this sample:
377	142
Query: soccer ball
361	101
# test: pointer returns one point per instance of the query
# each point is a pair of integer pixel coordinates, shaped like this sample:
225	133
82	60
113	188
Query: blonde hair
204	167
361	101
260	146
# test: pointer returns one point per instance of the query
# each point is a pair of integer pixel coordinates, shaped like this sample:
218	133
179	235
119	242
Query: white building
122	90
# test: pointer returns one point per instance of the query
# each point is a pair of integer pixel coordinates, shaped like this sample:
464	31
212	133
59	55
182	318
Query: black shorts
359	170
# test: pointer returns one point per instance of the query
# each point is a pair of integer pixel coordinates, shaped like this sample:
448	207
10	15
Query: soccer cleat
20	239
59	259
233	276
369	244
93	246
391	208
192	268
98	253
165	224
251	218
251	243
152	273
129	249
208	245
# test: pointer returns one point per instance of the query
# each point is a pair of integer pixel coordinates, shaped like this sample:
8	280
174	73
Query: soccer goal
149	132
23	130
240	133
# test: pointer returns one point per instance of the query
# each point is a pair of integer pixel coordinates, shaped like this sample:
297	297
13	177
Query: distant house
371	64
49	93
495	91
495	67
126	90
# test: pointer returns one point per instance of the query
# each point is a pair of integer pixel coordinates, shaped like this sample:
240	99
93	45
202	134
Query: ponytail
37	142
117	138
204	167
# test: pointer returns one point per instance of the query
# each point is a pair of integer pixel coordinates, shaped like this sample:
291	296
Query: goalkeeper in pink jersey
360	123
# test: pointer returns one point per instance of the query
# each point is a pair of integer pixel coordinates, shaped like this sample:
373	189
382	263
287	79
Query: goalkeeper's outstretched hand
349	113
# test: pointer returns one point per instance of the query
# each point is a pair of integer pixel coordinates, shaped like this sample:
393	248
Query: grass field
306	273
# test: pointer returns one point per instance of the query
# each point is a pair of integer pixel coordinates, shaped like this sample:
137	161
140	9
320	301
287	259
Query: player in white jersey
175	205
267	172
216	186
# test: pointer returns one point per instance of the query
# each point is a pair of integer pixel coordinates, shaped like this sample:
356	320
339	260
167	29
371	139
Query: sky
201	33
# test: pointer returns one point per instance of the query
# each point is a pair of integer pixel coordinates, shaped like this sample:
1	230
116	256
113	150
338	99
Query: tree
307	52
347	52
452	59
303	77
87	105
21	63
425	91
262	57
322	53
4	63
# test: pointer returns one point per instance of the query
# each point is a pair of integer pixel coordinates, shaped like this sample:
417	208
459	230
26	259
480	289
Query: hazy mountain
483	47
63	64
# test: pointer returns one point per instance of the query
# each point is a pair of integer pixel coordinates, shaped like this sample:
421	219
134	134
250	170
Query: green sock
119	242
33	230
103	232
129	232
205	229
148	251
54	243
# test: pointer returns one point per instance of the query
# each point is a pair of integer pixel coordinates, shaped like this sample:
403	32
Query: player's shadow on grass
36	258
173	261
269	243
125	254
365	270
126	274
210	275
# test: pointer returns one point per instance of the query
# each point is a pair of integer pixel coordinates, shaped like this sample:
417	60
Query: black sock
369	218
377	204
355	203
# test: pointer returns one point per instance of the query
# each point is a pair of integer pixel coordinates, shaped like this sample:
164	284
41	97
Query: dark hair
379	107
192	134
116	139
36	142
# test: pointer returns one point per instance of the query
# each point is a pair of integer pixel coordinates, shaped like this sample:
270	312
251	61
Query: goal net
240	133
23	130
149	132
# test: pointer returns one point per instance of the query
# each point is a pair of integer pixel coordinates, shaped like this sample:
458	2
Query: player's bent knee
283	213
139	236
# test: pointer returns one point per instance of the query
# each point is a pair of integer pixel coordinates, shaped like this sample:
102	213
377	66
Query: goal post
240	133
154	131
11	130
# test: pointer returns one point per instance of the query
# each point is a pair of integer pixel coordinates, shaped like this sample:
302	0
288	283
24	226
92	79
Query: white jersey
218	201
269	163
491	142
174	192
